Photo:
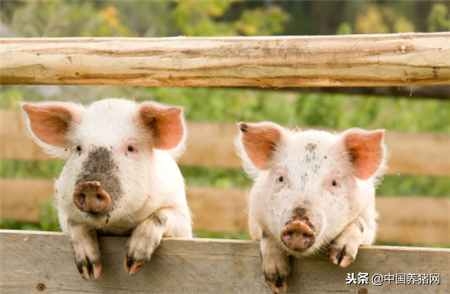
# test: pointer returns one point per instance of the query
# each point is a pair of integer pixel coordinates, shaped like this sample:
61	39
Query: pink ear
260	140
365	149
50	122
165	123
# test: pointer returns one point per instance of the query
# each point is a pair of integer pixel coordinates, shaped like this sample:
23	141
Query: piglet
120	177
313	192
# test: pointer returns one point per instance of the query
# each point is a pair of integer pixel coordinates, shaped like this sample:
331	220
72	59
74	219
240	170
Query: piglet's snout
297	236
90	197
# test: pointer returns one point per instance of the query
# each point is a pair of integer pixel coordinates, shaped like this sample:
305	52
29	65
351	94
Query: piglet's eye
130	148
334	183
280	179
79	148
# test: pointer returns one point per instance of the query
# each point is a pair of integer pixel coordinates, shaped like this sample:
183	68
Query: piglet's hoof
131	266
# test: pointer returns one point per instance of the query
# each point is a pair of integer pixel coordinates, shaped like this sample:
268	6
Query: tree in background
113	18
212	18
140	18
63	19
438	19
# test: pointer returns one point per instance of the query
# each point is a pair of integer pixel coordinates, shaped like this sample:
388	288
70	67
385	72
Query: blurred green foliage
217	235
306	109
113	18
30	169
64	19
439	19
48	220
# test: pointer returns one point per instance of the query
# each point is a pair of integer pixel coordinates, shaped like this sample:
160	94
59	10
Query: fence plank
31	260
21	198
352	60
419	221
212	144
414	220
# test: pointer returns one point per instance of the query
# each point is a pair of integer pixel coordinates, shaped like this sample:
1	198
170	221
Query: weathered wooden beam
212	144
421	220
410	59
34	262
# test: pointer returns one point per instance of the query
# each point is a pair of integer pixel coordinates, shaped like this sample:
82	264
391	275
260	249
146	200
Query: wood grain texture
413	220
326	61
404	220
212	144
202	266
220	210
21	199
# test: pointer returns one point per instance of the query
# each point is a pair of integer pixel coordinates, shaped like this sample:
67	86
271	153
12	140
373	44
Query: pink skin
170	128
311	189
366	148
49	122
259	140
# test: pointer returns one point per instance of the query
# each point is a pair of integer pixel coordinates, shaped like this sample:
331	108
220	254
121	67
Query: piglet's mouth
297	235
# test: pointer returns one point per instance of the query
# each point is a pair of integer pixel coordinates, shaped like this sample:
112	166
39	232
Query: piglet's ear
260	140
51	122
366	151
166	124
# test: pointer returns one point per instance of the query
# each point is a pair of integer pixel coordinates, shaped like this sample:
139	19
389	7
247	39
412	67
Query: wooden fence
196	266
204	266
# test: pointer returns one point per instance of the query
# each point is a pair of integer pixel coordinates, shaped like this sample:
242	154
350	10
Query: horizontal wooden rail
42	261
318	61
212	144
419	221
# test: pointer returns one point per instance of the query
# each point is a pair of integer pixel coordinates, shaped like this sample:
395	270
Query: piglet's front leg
146	237
143	241
275	263
344	248
86	250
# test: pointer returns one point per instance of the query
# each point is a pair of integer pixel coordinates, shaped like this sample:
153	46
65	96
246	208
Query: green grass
31	169
411	245
48	220
219	235
283	107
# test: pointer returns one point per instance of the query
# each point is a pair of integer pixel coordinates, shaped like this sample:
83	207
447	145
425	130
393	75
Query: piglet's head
110	147
309	184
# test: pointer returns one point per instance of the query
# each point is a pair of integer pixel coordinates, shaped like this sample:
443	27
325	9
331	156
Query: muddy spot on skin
310	147
157	219
100	166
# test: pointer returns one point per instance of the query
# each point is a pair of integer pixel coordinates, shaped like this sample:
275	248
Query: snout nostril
287	237
81	198
99	197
